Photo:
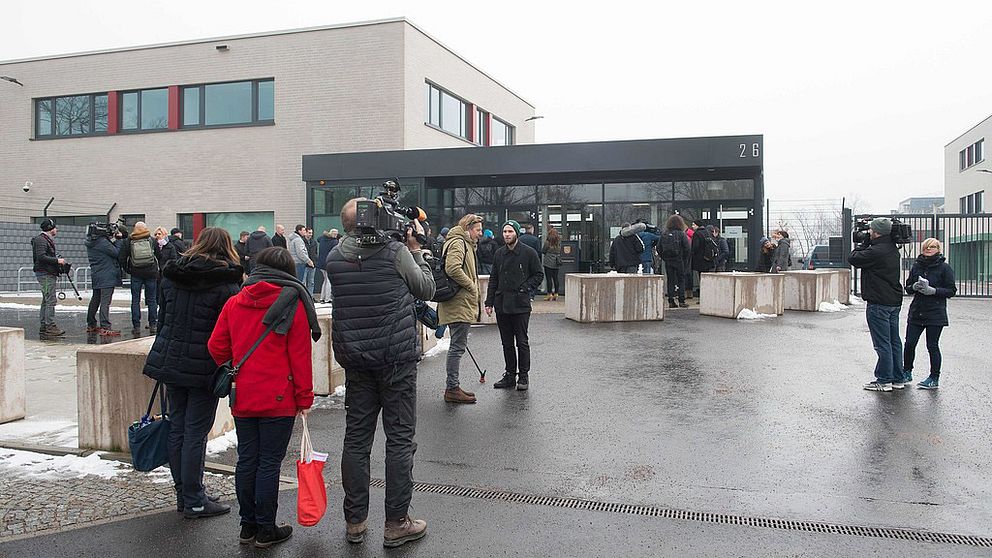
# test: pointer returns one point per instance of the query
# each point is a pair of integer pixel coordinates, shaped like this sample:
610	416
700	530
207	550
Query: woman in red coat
273	385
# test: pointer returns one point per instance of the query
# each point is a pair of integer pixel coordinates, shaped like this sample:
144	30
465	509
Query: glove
928	290
921	284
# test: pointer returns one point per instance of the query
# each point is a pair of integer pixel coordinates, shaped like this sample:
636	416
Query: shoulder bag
223	379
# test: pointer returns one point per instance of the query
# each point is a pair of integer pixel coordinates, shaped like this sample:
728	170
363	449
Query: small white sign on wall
733	232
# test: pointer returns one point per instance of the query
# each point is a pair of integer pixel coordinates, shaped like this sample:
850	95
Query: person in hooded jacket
174	247
931	282
486	252
105	272
328	240
766	249
625	251
142	266
194	290
274	385
781	258
674	250
462	310
257	241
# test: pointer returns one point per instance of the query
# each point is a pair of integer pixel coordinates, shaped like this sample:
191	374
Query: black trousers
516	346
262	445
913	333
191	411
394	392
551	273
675	277
100	300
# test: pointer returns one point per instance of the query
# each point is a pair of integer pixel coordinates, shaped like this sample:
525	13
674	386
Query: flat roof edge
963	134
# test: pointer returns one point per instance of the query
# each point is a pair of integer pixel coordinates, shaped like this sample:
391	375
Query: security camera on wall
27	186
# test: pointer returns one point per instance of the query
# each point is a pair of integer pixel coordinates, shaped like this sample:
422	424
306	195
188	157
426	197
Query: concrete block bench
112	393
726	294
12	378
614	297
327	373
806	289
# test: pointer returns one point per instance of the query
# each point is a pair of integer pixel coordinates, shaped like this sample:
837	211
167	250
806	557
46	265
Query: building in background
967	178
212	132
927	204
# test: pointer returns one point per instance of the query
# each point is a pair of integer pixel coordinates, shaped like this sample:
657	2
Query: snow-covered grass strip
41	466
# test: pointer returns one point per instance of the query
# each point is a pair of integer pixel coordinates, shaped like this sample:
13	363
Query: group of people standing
309	254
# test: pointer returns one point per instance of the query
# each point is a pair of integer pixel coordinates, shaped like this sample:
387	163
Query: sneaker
907	377
458	396
522	382
108	332
929	383
209	509
355	532
878	386
672	304
508	381
269	535
92	329
248	532
401	531
898	385
683	304
179	500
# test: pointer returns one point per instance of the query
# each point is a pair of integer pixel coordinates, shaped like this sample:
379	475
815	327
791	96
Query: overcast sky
857	98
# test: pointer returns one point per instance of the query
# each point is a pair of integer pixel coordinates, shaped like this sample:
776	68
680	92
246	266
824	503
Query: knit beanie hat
881	225
47	225
487	233
512	223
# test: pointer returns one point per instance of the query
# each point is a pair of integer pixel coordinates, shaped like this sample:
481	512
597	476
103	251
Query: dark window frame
201	88
53	114
463	119
139	130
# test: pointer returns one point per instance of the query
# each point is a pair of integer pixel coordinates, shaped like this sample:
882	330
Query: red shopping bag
311	498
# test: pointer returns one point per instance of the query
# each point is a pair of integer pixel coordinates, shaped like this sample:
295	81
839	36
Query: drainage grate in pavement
706	517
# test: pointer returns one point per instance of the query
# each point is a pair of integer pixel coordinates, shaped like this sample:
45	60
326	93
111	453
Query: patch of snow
41	466
58	308
220	444
834	306
856	300
339	391
748	314
60	433
441	347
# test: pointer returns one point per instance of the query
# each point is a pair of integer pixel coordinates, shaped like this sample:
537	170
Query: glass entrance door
580	223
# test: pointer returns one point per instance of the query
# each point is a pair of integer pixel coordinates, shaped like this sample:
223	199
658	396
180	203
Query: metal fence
967	241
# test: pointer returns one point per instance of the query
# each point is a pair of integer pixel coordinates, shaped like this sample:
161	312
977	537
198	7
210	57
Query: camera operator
881	287
376	340
47	267
105	272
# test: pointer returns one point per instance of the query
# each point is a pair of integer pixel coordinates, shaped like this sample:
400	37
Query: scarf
283	310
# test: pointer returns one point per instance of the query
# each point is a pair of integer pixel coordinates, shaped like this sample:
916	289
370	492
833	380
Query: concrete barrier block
806	289
483	289
726	294
614	297
112	393
12	377
327	373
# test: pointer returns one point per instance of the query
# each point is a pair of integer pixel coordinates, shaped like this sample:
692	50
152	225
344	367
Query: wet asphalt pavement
762	418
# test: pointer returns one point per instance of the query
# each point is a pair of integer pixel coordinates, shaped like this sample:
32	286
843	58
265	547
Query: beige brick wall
337	90
957	183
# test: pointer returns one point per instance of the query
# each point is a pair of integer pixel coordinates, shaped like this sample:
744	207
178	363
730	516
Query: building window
971	155
972	203
502	133
145	110
229	104
76	115
481	127
447	112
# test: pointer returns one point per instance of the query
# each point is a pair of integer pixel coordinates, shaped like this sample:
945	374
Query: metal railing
26	280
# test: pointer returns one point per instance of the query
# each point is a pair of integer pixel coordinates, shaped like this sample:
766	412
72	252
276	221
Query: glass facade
74	115
227	103
235	222
154	109
458	118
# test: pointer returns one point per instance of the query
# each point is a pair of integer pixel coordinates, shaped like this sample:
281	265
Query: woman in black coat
931	282
194	290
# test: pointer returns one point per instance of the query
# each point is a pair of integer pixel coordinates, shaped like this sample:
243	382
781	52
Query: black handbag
223	379
148	438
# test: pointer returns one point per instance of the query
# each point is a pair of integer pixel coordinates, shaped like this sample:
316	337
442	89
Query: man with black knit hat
47	266
516	272
881	288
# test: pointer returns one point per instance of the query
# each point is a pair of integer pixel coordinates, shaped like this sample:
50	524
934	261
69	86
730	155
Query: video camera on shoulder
901	233
382	218
97	230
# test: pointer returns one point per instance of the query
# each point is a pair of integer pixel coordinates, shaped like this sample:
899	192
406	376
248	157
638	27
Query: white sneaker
876	386
898	385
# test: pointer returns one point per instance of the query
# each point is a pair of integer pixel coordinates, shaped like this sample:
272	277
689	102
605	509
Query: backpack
710	249
445	288
669	246
142	254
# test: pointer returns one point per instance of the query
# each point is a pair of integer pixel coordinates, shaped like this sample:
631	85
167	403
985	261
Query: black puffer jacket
879	264
193	293
931	310
515	273
46	259
105	270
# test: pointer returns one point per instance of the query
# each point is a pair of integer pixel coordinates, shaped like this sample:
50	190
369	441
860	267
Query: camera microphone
412	213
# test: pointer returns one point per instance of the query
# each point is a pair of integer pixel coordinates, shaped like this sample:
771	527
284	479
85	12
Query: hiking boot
878	386
269	535
108	332
458	396
355	532
208	509
683	304
53	329
508	381
929	383
136	330
401	531
522	382
152	328
248	532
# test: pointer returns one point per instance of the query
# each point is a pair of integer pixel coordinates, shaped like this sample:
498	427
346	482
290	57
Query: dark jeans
151	300
47	311
688	281
913	333
318	281
883	323
513	328
459	342
262	445
100	299
394	392
485	268
191	411
551	273
675	277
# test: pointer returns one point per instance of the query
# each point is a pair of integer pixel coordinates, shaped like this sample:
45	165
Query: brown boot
356	531
458	396
554	296
402	531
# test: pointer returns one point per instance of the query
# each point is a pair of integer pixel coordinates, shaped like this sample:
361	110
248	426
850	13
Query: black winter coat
105	270
681	261
258	241
173	250
530	240
193	292
278	240
46	258
326	245
626	251
699	239
486	250
515	273
880	274
931	310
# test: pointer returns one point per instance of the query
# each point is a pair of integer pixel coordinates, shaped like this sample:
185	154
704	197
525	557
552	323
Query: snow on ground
41	466
58	307
834	306
59	433
856	300
220	444
441	347
339	391
748	314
